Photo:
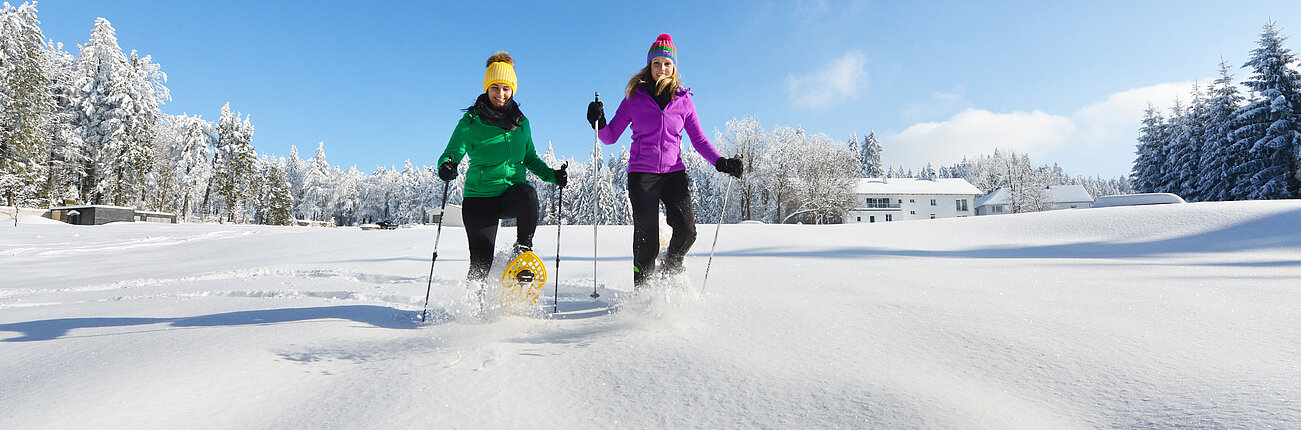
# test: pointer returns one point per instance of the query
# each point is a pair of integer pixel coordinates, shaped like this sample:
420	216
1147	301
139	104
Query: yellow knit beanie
501	69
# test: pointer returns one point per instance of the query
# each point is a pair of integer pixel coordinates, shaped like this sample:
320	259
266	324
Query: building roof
1056	193
945	186
1137	199
1069	194
1000	196
61	208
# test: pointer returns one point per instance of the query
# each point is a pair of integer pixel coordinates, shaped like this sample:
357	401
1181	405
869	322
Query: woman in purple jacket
659	109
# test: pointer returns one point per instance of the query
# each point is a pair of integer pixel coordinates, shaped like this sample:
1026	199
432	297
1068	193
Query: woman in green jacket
496	136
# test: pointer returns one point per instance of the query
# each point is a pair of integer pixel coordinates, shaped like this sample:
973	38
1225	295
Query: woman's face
661	67
499	93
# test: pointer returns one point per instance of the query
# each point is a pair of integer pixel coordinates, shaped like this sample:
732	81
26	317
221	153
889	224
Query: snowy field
1150	317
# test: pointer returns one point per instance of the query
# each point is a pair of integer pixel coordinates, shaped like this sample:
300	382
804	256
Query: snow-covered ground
1160	316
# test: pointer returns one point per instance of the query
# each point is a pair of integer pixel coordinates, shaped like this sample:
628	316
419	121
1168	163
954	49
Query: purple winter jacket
656	134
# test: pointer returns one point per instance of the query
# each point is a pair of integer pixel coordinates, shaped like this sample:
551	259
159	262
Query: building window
888	217
932	202
912	201
877	203
912	212
932	216
860	219
871	219
962	205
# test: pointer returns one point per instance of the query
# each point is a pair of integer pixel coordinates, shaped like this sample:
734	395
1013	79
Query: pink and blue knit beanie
663	47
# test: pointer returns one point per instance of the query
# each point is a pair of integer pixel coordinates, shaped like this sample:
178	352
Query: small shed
1070	196
92	214
163	217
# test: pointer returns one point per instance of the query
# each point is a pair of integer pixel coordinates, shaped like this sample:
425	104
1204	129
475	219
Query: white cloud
974	131
837	81
1097	139
1117	118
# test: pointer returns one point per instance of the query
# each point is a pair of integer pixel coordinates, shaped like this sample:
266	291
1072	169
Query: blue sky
383	83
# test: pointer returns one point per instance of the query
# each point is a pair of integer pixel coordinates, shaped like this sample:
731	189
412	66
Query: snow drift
1156	316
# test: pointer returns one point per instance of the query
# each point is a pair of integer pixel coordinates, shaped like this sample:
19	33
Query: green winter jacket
497	157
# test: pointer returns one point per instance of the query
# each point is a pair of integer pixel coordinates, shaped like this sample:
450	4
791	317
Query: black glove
562	177
731	166
596	114
447	171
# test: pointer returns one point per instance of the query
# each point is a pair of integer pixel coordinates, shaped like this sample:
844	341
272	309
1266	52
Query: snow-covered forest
1223	145
89	129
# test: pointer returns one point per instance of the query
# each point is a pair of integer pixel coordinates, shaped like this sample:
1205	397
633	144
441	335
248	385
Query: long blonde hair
667	83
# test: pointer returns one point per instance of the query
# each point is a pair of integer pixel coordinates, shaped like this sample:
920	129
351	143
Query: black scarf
660	99
507	117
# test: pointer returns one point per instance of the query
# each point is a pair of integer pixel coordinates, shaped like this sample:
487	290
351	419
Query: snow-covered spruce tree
1185	156
869	155
1167	176
1151	140
378	196
1271	121
295	171
26	105
430	193
928	172
275	203
853	146
102	113
346	194
1098	186
68	159
370	198
576	193
191	151
620	207
547	194
162	191
746	138
410	208
596	180
611	199
234	164
318	187
145	81
1219	153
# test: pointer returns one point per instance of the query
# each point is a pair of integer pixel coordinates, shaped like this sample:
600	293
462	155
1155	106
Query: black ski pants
481	215
647	191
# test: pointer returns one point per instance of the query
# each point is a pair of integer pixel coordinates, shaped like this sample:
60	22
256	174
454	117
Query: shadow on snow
375	316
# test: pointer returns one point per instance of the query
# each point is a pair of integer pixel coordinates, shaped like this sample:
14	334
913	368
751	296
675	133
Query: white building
997	202
1070	197
901	199
1061	197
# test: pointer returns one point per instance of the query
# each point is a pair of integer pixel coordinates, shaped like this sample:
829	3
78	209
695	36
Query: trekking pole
716	231
560	200
596	194
442	213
